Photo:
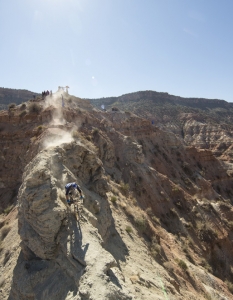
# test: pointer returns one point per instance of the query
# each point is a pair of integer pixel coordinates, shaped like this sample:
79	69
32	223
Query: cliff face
156	221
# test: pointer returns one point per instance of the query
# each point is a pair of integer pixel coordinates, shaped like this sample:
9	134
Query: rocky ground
156	221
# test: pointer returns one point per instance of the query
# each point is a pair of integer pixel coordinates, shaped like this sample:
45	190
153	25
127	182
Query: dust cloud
57	138
55	100
59	130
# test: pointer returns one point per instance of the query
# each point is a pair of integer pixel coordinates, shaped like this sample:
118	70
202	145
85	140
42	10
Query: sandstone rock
53	262
178	179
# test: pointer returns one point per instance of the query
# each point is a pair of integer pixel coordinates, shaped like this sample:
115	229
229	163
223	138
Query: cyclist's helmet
75	185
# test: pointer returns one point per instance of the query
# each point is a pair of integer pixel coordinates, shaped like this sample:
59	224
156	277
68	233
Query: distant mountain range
160	99
152	105
8	96
155	106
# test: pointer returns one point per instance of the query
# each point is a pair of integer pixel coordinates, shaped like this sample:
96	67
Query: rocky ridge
156	220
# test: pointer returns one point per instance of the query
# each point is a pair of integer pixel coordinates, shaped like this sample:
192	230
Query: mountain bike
77	206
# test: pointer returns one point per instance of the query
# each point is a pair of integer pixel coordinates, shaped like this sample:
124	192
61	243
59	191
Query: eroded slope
156	219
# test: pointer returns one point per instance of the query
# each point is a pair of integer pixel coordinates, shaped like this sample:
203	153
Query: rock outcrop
68	256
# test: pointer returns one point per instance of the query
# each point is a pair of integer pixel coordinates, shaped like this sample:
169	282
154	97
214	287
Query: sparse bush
95	131
88	144
22	114
124	188
23	106
149	211
155	248
134	201
113	199
128	229
75	134
175	190
11	105
34	108
4	231
206	204
206	265
202	173
207	233
88	137
155	219
40	128
141	223
115	109
108	178
8	209
182	264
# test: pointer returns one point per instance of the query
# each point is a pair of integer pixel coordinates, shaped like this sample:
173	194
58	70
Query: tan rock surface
156	220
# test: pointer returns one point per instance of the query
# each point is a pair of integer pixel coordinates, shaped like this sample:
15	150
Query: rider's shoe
68	202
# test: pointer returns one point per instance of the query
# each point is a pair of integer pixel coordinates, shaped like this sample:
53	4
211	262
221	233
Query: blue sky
104	48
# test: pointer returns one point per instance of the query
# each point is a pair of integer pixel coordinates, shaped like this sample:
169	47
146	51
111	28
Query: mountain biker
71	187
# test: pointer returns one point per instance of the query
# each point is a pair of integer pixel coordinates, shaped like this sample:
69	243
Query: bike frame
75	203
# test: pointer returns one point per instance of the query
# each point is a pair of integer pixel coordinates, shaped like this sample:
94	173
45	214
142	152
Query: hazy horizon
107	48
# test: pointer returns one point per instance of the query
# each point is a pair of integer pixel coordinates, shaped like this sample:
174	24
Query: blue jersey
72	186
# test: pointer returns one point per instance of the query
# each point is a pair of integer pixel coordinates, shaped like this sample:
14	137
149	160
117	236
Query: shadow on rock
115	245
40	279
